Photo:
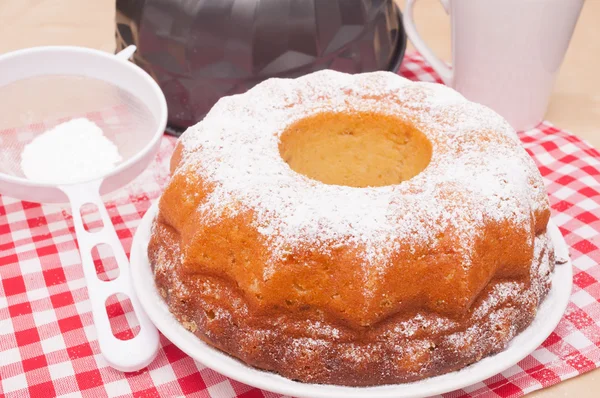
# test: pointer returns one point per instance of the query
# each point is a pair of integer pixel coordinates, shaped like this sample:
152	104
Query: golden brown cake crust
346	285
309	347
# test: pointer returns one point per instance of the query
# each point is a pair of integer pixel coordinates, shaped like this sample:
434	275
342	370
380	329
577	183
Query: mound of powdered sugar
71	152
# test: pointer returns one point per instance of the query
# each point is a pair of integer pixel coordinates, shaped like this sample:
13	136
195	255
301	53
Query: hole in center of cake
360	149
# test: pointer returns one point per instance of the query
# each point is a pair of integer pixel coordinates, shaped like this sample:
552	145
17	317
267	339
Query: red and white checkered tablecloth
48	343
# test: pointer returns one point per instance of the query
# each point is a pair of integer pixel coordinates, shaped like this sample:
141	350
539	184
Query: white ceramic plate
548	316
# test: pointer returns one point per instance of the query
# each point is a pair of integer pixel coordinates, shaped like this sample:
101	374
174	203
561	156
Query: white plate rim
549	314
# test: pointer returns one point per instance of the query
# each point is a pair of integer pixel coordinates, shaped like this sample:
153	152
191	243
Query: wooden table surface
574	106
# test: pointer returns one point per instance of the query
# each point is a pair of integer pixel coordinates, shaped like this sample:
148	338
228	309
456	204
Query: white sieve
44	86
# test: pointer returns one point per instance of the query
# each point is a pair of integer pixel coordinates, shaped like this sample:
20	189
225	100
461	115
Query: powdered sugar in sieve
71	152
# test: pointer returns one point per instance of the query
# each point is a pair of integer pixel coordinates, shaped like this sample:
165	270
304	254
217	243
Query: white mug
505	53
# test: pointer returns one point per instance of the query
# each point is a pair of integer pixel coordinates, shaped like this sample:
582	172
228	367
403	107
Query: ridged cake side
310	346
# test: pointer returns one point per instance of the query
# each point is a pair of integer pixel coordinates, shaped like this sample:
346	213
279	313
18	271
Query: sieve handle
126	53
124	355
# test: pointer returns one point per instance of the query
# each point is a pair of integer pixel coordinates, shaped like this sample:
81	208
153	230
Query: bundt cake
352	230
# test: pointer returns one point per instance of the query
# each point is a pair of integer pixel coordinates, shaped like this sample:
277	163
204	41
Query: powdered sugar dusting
478	170
420	322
